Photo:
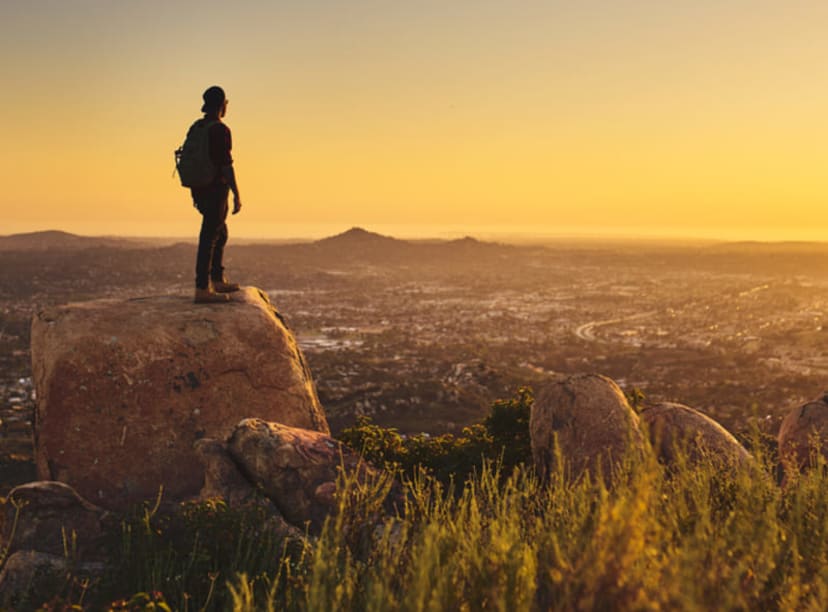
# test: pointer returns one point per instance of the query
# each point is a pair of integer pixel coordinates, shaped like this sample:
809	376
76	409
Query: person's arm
230	178
221	143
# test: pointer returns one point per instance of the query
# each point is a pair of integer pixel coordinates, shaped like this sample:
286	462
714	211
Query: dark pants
213	206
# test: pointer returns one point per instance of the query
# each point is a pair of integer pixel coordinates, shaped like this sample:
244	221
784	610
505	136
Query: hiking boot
222	286
208	296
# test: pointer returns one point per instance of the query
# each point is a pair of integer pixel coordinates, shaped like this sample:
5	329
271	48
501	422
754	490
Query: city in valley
424	335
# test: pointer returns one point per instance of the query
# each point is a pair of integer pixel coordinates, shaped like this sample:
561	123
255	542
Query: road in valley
587	330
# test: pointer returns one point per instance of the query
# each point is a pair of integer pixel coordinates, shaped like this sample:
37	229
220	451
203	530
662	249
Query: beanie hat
213	98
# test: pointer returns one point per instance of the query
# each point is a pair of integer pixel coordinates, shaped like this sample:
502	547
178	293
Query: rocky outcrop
589	419
295	468
675	428
804	430
125	387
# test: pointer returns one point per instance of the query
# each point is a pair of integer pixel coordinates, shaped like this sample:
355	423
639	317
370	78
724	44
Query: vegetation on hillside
502	438
492	537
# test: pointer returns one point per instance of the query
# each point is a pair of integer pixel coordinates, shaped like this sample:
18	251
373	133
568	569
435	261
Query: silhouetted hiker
211	201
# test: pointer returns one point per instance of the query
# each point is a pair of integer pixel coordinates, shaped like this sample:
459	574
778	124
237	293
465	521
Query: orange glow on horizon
633	118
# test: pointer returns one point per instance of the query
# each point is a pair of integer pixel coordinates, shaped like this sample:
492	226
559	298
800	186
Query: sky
628	117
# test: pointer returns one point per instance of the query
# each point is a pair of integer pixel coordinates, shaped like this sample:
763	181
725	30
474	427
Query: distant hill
357	246
360	245
356	237
756	247
54	239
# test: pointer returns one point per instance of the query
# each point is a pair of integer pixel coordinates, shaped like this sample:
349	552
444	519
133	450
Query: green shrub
502	437
508	427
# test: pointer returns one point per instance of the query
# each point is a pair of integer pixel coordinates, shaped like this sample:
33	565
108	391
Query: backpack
192	159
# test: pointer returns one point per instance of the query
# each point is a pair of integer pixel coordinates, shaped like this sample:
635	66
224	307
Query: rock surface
296	468
125	387
39	515
27	576
673	427
223	480
801	430
592	420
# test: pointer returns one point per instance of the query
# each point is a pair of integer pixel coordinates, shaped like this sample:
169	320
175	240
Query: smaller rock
42	515
675	427
29	575
223	480
296	468
221	474
326	493
803	430
593	423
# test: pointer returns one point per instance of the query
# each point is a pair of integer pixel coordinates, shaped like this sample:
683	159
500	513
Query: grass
693	537
696	538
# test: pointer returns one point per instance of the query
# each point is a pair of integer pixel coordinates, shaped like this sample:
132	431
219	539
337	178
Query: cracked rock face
592	422
125	387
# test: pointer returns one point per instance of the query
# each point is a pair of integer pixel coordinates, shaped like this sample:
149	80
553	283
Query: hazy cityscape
424	335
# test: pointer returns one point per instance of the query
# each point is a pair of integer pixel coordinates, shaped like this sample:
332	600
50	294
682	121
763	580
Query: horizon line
311	232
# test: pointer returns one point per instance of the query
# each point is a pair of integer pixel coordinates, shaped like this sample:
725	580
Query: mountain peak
466	240
358	235
358	231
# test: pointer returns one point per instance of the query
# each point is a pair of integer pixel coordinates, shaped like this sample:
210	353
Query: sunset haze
645	118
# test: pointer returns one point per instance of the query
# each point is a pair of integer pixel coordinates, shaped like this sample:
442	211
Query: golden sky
703	118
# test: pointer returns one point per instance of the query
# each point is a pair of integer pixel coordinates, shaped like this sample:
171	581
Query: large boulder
297	469
675	428
592	422
804	430
125	387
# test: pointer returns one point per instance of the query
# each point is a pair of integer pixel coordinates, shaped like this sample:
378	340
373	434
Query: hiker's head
214	101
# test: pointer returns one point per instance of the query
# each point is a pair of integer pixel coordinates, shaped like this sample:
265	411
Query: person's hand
236	204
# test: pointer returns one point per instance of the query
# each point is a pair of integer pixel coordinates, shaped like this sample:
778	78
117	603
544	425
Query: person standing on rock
211	202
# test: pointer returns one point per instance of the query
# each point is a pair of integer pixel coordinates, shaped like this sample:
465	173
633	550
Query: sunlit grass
696	536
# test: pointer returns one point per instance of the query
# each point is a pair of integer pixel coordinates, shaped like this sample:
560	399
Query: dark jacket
220	143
